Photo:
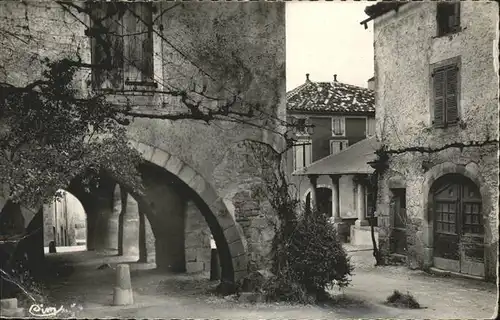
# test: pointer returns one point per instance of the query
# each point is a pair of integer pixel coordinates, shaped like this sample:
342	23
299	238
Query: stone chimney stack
307	77
335	77
371	83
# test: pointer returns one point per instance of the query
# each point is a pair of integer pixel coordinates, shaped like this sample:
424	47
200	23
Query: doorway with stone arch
457	225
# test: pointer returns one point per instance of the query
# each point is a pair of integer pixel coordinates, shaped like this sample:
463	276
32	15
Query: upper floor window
338	145
446	95
448	17
122	44
338	126
302	152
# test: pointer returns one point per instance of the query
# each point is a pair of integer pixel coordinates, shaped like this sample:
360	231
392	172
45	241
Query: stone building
198	182
329	118
437	118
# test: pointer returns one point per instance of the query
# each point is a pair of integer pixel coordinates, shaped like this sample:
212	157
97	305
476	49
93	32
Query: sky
325	38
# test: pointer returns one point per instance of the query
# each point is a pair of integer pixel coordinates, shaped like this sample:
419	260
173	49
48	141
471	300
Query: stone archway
323	197
468	175
227	236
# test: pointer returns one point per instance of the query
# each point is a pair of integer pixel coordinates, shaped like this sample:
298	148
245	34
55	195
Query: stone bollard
8	308
123	290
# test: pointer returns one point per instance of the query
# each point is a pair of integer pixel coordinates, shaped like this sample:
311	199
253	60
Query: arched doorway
324	199
458	225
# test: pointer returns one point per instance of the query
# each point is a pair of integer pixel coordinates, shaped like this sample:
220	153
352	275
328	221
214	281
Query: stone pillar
128	243
313	202
335	198
197	240
146	239
360	204
112	225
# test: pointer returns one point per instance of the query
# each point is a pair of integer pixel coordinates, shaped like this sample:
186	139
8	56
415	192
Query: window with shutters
302	152
448	18
445	102
107	44
122	42
138	38
338	126
338	145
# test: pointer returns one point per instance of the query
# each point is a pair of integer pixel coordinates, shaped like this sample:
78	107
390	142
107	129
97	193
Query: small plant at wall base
308	258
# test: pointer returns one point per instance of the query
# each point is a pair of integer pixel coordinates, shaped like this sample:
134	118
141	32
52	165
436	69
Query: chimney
335	77
307	77
371	83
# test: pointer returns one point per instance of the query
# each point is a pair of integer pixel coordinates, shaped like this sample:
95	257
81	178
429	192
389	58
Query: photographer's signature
40	310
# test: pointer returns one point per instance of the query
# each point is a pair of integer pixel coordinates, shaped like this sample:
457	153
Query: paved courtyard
160	295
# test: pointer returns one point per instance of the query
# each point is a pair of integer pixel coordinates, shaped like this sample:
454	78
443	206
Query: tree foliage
52	133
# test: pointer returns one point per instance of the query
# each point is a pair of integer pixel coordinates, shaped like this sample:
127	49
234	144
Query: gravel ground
159	295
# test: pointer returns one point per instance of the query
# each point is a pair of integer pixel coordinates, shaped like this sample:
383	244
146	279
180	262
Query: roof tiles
330	97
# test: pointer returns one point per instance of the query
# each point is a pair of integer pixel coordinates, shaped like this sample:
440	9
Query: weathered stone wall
405	47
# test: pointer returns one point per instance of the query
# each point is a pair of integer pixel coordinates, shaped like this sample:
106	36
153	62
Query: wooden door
458	226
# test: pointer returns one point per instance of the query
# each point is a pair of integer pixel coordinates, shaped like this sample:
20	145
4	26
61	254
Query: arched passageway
457	224
64	224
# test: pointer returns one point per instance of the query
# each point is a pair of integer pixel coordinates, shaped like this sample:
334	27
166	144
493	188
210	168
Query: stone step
8	303
12	313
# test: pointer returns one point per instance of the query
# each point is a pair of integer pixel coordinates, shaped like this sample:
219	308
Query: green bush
308	261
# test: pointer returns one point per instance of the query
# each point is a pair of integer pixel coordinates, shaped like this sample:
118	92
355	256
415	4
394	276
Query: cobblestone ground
159	295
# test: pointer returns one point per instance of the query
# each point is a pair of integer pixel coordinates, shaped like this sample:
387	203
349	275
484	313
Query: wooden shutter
439	99
133	56
106	18
147	42
139	61
451	95
337	127
334	147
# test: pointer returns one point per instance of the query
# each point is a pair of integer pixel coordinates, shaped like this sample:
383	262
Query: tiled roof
382	7
351	160
330	97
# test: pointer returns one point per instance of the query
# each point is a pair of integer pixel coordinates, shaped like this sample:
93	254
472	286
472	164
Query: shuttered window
445	85
338	145
125	30
338	126
302	153
107	44
139	43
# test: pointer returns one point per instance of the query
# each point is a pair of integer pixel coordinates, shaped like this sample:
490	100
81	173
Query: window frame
342	125
452	29
341	141
439	66
125	83
302	140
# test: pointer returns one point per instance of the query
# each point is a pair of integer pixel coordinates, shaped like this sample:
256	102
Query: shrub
401	300
309	261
